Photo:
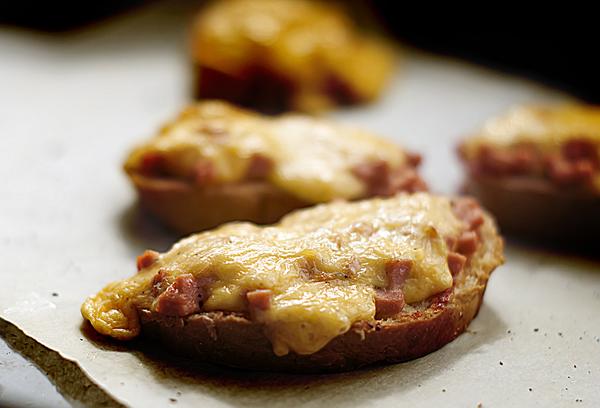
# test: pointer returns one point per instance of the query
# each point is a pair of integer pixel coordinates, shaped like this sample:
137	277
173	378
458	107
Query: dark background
555	44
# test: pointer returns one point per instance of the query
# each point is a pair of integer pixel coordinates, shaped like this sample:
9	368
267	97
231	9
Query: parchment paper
71	107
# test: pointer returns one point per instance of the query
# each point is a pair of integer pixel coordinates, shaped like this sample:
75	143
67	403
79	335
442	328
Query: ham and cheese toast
333	287
278	55
217	163
537	169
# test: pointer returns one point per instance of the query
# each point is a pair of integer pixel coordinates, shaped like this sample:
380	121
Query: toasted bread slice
186	208
539	210
345	315
217	163
421	329
309	57
537	169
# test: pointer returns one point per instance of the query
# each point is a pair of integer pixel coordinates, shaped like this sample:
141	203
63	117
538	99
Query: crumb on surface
536	330
54	294
530	389
501	363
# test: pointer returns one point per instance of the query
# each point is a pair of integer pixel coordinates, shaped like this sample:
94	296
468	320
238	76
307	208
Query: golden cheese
547	127
306	41
322	265
313	159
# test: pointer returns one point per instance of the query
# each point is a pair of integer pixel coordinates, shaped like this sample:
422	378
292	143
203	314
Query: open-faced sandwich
537	169
278	55
216	163
333	287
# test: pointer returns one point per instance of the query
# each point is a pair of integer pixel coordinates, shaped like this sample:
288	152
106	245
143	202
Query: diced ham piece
340	90
152	164
579	149
159	282
565	172
146	259
388	303
259	299
414	159
576	162
374	175
204	173
397	271
405	179
259	167
467	243
451	243
469	211
525	160
181	298
380	180
494	161
517	160
456	262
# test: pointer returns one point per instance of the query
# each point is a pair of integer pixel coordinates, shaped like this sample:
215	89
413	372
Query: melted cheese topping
313	159
547	127
304	41
322	265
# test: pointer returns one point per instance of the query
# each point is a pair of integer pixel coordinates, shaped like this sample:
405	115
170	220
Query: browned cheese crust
232	339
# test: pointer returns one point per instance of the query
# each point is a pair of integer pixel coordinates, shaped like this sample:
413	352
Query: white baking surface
22	384
71	105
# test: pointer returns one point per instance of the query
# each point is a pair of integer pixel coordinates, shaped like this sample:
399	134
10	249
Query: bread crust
188	208
538	209
234	340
